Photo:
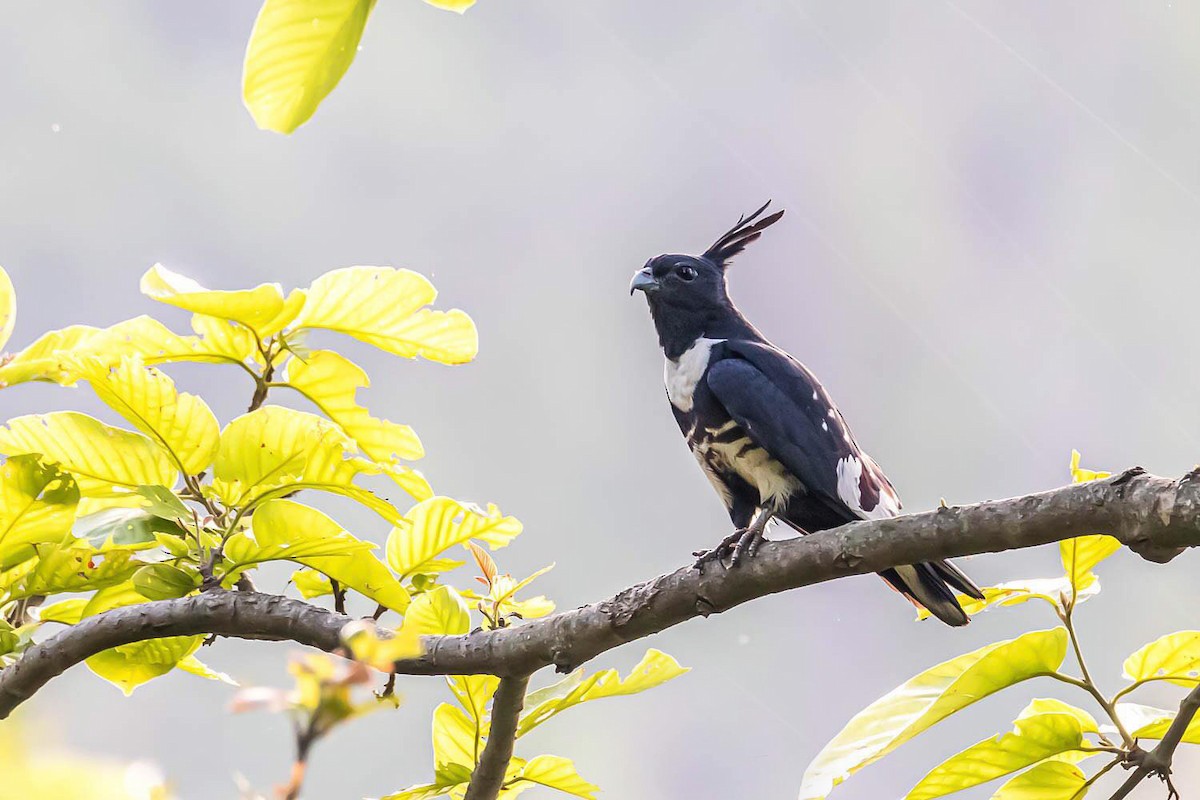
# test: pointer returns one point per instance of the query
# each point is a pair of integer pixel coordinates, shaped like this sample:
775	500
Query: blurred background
988	257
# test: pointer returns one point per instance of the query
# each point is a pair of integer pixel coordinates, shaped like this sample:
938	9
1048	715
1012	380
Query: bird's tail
931	586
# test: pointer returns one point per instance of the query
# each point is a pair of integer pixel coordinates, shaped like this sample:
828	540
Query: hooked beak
643	280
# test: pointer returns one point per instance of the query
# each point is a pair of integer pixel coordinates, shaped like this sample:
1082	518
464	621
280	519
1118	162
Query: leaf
437	524
275	451
1049	705
1033	739
384	307
557	773
195	666
298	52
330	381
1012	593
927	699
1174	658
164	503
1147	722
8	308
164	582
45	359
68	612
1079	475
474	692
218	341
1050	780
255	308
123	528
455	740
311	583
365	643
654	669
1081	554
440	611
105	461
128	666
60	569
284	529
37	504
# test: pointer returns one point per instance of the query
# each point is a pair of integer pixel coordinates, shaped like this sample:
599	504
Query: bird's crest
740	235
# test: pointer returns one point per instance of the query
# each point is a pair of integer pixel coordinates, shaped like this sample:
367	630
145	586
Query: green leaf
1033	739
437	524
182	424
1050	780
331	381
164	582
48	358
1174	658
122	528
75	568
275	451
284	529
8	308
37	504
105	461
130	665
384	307
163	503
558	773
441	611
298	52
927	699
654	669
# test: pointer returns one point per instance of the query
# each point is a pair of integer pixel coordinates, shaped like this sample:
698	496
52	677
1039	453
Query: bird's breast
681	375
727	450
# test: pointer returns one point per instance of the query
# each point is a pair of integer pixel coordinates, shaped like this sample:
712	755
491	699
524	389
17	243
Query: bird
763	429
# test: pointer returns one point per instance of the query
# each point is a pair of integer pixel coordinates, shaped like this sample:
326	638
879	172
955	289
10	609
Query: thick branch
488	778
1156	517
1158	761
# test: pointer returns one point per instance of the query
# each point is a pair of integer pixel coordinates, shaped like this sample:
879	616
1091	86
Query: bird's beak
643	280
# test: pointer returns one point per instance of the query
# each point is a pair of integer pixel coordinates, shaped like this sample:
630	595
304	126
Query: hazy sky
989	257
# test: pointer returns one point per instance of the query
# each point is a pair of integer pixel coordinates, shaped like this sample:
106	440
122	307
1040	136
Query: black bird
762	427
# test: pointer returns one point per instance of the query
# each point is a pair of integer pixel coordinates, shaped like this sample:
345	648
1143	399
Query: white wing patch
682	374
849	473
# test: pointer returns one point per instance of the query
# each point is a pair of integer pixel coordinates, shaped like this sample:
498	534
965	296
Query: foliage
1050	737
169	503
298	52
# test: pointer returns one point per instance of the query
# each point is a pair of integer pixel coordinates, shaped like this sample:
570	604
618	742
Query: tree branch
488	778
1158	761
1156	517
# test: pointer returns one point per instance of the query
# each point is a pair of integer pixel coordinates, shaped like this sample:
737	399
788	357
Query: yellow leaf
67	612
1080	475
130	665
440	611
195	666
1050	780
1081	554
181	423
255	308
1146	722
1174	657
655	669
74	568
455	740
557	773
1012	593
1049	705
311	583
105	461
330	381
217	341
298	52
46	359
8	308
1033	739
474	692
437	524
37	504
927	699
283	529
291	309
275	451
458	6
384	307
365	643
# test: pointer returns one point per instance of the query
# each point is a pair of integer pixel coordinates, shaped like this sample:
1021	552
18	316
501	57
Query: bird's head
687	291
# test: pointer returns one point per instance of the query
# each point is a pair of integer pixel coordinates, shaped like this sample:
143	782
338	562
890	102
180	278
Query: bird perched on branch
762	427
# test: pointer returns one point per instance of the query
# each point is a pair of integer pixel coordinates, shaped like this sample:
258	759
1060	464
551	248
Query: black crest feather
743	233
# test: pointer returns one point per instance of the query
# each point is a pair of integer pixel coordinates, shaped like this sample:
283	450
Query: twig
1067	616
488	778
1158	761
339	596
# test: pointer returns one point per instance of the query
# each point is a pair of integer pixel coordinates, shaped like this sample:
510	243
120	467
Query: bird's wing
785	411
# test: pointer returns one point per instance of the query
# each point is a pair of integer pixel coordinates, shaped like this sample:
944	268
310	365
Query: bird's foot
742	543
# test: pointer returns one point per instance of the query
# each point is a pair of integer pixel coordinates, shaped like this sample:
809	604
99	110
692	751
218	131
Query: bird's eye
687	273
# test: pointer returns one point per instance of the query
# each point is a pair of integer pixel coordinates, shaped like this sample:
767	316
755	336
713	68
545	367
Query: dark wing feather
773	402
